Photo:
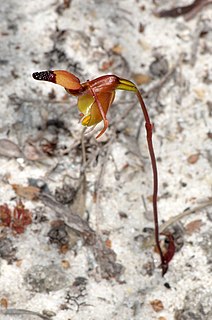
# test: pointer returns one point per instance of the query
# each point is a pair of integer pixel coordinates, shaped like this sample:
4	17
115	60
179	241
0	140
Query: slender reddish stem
149	127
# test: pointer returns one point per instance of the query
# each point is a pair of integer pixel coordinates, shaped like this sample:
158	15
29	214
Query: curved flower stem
149	127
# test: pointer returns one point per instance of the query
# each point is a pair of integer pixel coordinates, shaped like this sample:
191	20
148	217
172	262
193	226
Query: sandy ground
61	272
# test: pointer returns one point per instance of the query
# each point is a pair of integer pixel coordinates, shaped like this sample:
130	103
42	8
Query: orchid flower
94	100
94	97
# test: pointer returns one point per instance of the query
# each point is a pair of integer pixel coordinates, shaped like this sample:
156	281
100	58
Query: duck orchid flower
94	100
94	97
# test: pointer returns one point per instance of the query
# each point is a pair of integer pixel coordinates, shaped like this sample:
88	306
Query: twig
179	217
200	28
188	11
73	221
182	215
23	311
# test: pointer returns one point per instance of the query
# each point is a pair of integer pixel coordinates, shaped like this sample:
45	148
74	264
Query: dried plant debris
64	237
17	219
157	305
188	11
9	149
206	245
178	231
39	215
141	79
188	211
193	226
48	146
4	303
7	251
5	215
18	312
46	278
31	152
202	30
167	246
65	194
106	260
193	158
43	142
75	295
39	184
27	192
148	268
58	233
72	221
63	6
197	306
159	67
104	256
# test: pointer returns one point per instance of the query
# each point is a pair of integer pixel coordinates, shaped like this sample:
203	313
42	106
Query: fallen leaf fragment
117	49
9	149
65	264
4	303
150	198
5	215
28	192
31	153
19	263
167	247
157	305
200	93
141	78
16	219
193	226
22	217
108	243
64	248
193	158
170	250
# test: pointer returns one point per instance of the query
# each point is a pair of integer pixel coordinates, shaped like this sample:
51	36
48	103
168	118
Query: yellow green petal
126	85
